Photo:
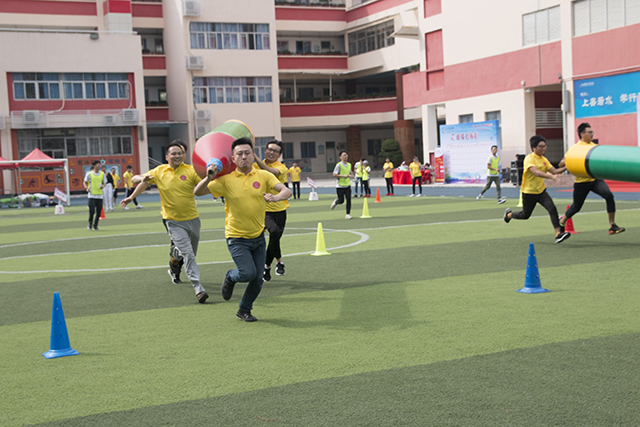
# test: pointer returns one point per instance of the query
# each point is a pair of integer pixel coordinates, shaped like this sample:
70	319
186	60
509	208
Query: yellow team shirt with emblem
283	204
127	179
116	180
244	206
579	179
388	170
176	191
415	169
295	173
532	184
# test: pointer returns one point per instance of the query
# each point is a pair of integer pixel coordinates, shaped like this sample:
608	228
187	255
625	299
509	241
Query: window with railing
308	149
41	86
371	38
216	35
80	142
231	90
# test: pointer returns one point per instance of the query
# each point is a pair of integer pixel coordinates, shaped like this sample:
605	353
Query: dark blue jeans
249	256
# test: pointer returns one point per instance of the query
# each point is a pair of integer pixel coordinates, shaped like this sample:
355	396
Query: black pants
130	192
417	179
581	191
296	188
389	185
344	193
365	187
95	208
529	203
275	223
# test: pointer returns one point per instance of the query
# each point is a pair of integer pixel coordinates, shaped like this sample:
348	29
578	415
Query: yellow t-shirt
532	184
388	170
244	205
415	169
295	173
176	191
116	180
127	179
283	204
580	179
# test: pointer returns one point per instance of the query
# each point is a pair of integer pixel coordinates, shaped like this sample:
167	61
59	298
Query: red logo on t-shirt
183	178
256	185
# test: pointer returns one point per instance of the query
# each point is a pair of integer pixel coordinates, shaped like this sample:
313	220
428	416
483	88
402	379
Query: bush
391	149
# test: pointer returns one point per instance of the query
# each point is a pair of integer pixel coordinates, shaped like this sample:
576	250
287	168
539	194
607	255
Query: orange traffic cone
378	196
568	226
102	214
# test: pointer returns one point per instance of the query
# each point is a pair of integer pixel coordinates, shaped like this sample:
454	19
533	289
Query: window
371	38
74	85
305	93
36	86
493	115
308	149
590	16
261	145
231	90
374	146
287	152
81	142
325	46
282	46
465	118
541	26
215	35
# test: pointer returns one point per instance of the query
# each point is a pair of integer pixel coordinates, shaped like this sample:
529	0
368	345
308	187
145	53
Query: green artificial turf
413	320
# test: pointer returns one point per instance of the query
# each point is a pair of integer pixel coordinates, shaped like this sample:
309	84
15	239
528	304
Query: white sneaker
126	208
412	195
501	200
419	195
333	205
479	196
139	207
347	216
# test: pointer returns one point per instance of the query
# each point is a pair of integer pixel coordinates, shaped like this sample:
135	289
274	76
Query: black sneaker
506	215
280	269
174	279
202	297
267	274
89	227
615	229
561	237
227	288
246	316
95	227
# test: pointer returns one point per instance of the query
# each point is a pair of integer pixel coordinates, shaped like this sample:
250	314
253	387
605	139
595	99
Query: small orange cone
102	214
378	196
568	226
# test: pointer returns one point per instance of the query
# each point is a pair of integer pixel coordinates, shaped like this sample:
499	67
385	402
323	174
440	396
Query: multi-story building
116	80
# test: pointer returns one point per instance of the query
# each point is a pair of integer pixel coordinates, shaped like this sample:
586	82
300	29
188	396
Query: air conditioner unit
202	115
130	116
31	117
195	62
202	130
191	8
110	120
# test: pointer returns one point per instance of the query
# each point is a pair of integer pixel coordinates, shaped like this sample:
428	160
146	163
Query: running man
493	174
94	182
343	172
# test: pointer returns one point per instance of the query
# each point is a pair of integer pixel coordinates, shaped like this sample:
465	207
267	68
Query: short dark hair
129	166
535	140
494	146
242	141
276	142
95	162
342	151
582	128
176	143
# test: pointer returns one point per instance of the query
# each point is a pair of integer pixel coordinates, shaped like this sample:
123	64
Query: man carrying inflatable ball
246	191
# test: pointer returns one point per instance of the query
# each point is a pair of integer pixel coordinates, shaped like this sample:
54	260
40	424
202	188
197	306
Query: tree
391	149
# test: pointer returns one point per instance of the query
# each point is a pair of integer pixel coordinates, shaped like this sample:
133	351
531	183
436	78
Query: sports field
413	320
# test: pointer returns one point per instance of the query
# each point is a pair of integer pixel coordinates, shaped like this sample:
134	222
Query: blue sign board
607	96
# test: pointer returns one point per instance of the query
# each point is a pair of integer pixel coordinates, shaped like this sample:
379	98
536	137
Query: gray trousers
491	179
185	236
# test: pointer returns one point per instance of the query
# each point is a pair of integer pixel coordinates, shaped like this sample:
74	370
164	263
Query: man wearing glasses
276	213
583	186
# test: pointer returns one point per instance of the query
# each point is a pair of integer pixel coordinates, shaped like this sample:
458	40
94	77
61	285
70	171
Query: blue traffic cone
60	345
532	283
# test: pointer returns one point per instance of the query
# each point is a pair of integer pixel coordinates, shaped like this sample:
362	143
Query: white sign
312	183
60	195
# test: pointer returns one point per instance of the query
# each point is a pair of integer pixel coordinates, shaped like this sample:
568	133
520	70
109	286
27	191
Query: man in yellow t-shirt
295	172
176	182
366	174
129	186
246	191
276	213
358	173
116	181
536	169
416	174
388	175
583	186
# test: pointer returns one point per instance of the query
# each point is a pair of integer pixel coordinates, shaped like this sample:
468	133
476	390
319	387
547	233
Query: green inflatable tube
615	162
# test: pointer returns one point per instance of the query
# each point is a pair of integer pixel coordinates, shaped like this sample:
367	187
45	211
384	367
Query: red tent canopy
38	159
6	164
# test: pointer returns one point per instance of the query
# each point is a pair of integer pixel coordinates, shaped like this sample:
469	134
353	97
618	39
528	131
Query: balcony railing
303	3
